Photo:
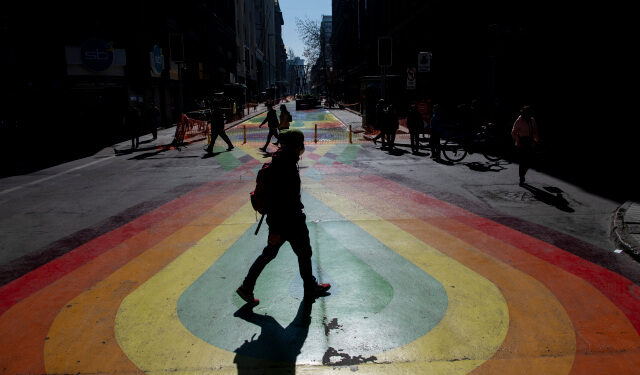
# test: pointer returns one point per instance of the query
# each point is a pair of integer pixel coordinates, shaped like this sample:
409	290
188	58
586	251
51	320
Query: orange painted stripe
535	331
93	348
599	325
37	279
615	287
25	326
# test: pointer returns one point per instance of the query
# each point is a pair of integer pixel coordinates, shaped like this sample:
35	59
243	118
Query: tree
309	32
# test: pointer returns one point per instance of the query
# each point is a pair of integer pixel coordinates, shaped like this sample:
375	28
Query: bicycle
484	141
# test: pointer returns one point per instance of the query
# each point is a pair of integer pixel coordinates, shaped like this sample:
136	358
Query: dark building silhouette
564	59
71	68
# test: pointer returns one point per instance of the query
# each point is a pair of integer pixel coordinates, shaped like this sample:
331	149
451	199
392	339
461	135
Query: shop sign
96	55
157	61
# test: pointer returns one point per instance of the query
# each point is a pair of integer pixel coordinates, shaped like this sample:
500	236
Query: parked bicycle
483	141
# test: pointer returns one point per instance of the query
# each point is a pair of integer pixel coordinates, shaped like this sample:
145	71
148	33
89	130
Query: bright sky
292	9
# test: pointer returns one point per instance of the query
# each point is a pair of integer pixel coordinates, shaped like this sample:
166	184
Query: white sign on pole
424	62
411	78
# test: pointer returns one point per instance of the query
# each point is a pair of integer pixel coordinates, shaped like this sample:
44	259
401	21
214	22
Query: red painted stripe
616	287
18	289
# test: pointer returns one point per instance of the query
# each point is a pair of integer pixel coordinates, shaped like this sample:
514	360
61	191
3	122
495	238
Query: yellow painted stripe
541	335
150	333
477	317
90	347
254	153
147	325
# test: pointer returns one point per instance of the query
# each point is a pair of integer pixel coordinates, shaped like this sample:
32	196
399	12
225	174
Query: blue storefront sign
157	61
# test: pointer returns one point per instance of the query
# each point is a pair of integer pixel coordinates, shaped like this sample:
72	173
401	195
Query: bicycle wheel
491	155
453	151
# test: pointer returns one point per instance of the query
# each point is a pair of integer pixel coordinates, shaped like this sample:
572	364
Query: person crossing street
285	218
272	123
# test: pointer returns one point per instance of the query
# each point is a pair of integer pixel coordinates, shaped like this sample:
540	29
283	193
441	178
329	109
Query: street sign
411	78
424	62
385	52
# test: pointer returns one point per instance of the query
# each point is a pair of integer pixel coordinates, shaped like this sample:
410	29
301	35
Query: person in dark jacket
217	121
436	131
391	126
133	120
272	122
415	126
379	123
285	218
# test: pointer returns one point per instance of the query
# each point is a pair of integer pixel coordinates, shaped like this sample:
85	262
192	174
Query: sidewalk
625	227
166	136
349	117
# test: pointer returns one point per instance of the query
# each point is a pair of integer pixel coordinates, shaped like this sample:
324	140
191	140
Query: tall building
322	71
72	68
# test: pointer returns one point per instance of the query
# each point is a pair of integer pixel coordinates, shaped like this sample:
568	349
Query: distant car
307	102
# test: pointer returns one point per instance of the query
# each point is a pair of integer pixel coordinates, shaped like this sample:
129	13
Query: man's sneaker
247	296
317	289
262	149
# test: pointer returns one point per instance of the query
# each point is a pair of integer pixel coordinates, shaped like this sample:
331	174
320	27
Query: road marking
147	326
92	347
477	318
54	176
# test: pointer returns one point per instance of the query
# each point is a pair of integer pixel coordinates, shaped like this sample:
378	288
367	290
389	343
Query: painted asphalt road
423	280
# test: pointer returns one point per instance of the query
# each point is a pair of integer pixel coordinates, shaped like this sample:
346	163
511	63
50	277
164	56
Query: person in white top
525	135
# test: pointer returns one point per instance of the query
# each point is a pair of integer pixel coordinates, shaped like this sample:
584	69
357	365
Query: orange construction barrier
189	127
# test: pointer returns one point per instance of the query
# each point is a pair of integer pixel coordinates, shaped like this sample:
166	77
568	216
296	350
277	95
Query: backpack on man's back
259	194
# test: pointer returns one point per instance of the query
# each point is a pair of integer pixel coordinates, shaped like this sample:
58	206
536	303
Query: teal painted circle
379	299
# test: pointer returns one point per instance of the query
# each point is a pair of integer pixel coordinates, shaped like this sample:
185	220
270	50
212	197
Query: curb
619	232
249	117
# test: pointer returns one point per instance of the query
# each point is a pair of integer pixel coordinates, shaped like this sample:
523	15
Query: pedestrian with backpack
285	119
277	195
272	122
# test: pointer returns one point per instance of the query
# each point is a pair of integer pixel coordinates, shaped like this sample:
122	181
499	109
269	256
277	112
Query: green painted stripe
372	287
227	159
349	154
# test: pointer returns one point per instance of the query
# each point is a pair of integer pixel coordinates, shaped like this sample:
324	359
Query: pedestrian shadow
397	151
208	155
552	196
488	166
443	161
420	153
277	348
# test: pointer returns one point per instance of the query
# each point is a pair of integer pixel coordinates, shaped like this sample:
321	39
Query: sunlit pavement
421	284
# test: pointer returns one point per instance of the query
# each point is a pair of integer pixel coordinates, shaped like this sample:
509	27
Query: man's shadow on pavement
549	198
277	348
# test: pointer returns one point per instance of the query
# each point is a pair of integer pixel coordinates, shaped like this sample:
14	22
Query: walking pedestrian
391	126
217	121
133	121
272	123
415	125
525	135
285	218
285	120
436	131
152	119
379	123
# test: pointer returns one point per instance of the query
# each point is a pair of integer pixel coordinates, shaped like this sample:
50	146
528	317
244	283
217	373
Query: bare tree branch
309	32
